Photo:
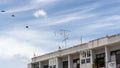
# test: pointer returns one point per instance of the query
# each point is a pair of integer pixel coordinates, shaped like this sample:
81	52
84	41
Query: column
29	65
80	59
92	57
107	56
70	61
40	65
59	63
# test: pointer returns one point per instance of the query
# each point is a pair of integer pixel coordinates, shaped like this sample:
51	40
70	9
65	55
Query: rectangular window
50	66
113	53
100	55
88	53
88	60
54	66
83	61
118	52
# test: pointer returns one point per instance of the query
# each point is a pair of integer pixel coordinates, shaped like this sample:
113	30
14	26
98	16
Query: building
100	53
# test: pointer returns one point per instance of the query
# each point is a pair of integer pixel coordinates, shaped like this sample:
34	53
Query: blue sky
90	19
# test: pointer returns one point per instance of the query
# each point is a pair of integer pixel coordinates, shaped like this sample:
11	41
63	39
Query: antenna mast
81	40
65	35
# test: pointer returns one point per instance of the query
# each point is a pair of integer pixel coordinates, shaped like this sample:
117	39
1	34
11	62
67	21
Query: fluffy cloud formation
40	13
14	43
15	47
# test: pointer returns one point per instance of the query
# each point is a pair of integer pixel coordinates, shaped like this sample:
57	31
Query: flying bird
13	15
26	26
2	10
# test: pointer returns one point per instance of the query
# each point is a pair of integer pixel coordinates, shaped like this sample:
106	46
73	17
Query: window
118	52
50	66
83	61
83	54
88	53
88	60
45	66
100	55
113	53
54	66
76	60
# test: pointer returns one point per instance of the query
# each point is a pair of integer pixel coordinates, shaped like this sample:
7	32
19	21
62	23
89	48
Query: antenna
106	35
64	33
81	40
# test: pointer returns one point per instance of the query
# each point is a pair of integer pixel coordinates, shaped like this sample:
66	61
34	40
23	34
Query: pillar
80	59
107	56
29	65
92	57
70	61
59	63
40	64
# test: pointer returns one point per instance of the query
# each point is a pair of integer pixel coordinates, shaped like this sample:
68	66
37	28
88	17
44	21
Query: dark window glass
54	66
50	66
118	52
65	64
75	60
88	54
113	53
83	61
88	60
46	66
100	55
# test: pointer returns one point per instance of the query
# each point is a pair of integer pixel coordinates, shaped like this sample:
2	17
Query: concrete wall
85	65
52	61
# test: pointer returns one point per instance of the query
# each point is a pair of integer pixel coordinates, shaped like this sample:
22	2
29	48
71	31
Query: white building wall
59	63
85	65
52	61
70	61
29	65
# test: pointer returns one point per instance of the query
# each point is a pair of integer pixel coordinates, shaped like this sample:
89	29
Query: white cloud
40	13
22	8
9	47
42	1
32	4
24	42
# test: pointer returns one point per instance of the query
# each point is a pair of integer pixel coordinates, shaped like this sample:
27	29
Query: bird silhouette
2	10
26	26
13	15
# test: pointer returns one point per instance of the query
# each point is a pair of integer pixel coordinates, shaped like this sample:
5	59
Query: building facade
100	53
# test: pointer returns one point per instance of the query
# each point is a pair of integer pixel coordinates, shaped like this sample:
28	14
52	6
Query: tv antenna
81	40
65	35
